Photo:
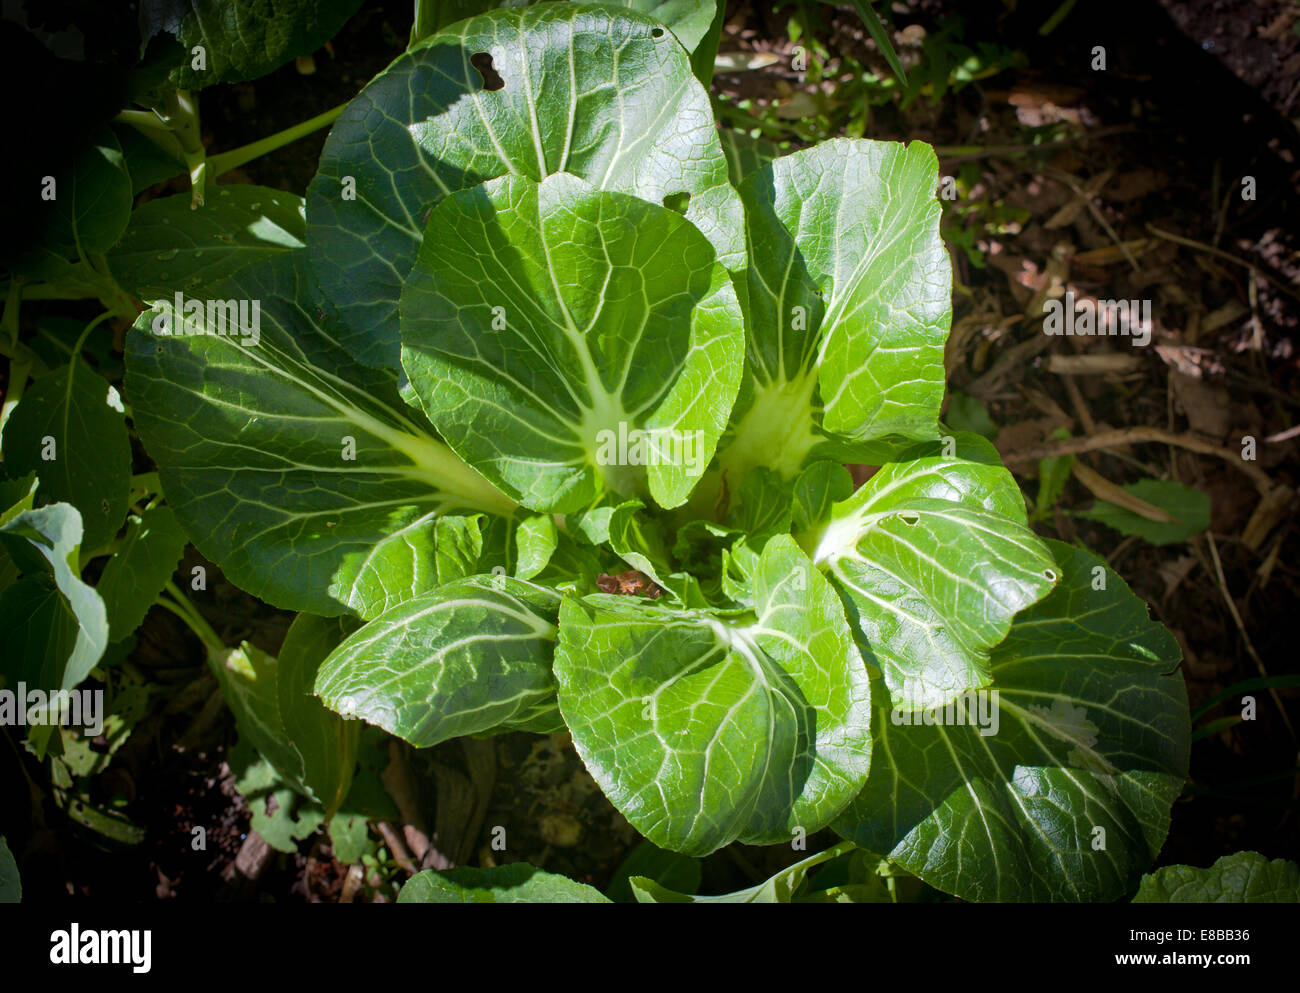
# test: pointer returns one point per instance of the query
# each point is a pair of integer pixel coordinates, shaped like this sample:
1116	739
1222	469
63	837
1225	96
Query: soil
1196	96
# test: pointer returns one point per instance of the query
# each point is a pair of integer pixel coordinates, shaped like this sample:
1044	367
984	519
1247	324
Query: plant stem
110	291
76	349
419	26
181	116
13	300
236	157
18	352
180	605
143	120
145	483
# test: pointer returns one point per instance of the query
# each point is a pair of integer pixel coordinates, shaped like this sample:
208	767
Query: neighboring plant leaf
876	28
258	470
965	413
55	623
170	247
326	745
281	815
704	729
515	883
350	837
565	340
69	428
466	658
11	888
1053	474
1093	733
1188	506
935	559
242	39
1244	877
704	55
670	870
127	707
745	154
780	888
140	568
849	302
427	127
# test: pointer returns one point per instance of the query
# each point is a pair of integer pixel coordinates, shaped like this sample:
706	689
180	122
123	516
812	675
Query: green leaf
1070	798
56	624
536	539
1244	877
965	413
350	837
762	506
689	20
849	301
706	728
16	495
127	707
518	882
1053	474
326	746
140	568
1188	506
816	491
876	28
70	430
466	658
281	815
40	633
302	474
242	39
647	861
779	888
312	750
639	541
92	202
585	90
434	15
566	340
745	154
171	248
11	888
934	558
458	547
145	160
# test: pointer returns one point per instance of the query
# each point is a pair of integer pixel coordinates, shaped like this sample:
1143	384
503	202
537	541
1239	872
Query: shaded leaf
169	247
1244	877
140	568
69	428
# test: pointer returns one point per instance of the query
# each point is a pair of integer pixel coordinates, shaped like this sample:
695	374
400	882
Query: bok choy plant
547	427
